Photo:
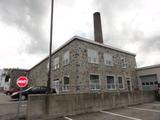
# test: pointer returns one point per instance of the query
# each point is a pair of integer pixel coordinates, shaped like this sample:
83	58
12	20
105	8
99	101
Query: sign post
22	82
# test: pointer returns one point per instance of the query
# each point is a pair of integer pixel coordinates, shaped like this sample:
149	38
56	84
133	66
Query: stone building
85	65
82	65
149	77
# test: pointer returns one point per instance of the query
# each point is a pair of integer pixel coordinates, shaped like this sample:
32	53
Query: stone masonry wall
85	68
79	69
38	75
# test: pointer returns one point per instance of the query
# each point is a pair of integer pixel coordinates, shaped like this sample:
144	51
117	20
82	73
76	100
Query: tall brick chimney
98	37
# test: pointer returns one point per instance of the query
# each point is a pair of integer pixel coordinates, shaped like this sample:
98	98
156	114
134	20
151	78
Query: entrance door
129	84
56	85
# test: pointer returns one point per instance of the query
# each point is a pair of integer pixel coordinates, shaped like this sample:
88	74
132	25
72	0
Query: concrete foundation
72	104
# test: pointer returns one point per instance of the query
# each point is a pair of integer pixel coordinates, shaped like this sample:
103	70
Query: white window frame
123	62
66	87
66	58
108	59
55	86
94	84
111	84
56	63
128	78
91	58
123	83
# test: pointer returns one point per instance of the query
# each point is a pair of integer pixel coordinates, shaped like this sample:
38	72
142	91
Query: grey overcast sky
132	25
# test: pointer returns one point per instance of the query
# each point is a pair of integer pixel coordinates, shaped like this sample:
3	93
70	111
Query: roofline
85	40
104	45
149	67
56	50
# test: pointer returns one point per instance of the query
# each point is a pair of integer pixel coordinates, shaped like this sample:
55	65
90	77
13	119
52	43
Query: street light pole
50	48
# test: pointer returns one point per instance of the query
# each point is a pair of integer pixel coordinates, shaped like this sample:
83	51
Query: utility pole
50	48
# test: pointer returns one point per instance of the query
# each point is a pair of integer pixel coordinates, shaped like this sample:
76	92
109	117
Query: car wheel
23	97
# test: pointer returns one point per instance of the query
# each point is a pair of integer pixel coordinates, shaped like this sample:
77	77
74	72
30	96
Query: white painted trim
115	114
123	82
99	81
97	56
63	83
114	81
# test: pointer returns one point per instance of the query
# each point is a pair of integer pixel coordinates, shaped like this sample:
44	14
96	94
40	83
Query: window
56	63
151	83
65	83
110	83
94	82
7	78
56	85
120	83
66	58
92	56
108	59
147	83
143	83
123	62
155	82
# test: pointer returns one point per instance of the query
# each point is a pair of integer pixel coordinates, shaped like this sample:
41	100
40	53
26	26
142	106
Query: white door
56	85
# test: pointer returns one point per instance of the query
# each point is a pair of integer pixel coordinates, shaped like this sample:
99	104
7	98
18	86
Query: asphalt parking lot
8	108
148	111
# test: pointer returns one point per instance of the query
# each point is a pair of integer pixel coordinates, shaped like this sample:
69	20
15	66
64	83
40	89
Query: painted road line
150	110
115	114
154	104
67	118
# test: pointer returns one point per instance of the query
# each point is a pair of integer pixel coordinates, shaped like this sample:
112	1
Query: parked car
11	91
31	90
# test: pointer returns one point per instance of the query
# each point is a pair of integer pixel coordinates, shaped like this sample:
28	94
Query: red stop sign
22	81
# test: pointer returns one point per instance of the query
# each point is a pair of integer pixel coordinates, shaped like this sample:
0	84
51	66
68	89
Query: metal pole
50	48
19	104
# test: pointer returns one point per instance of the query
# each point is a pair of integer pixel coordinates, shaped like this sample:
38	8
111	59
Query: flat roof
85	40
149	67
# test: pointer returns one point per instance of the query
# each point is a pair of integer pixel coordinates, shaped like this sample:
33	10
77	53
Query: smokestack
98	37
